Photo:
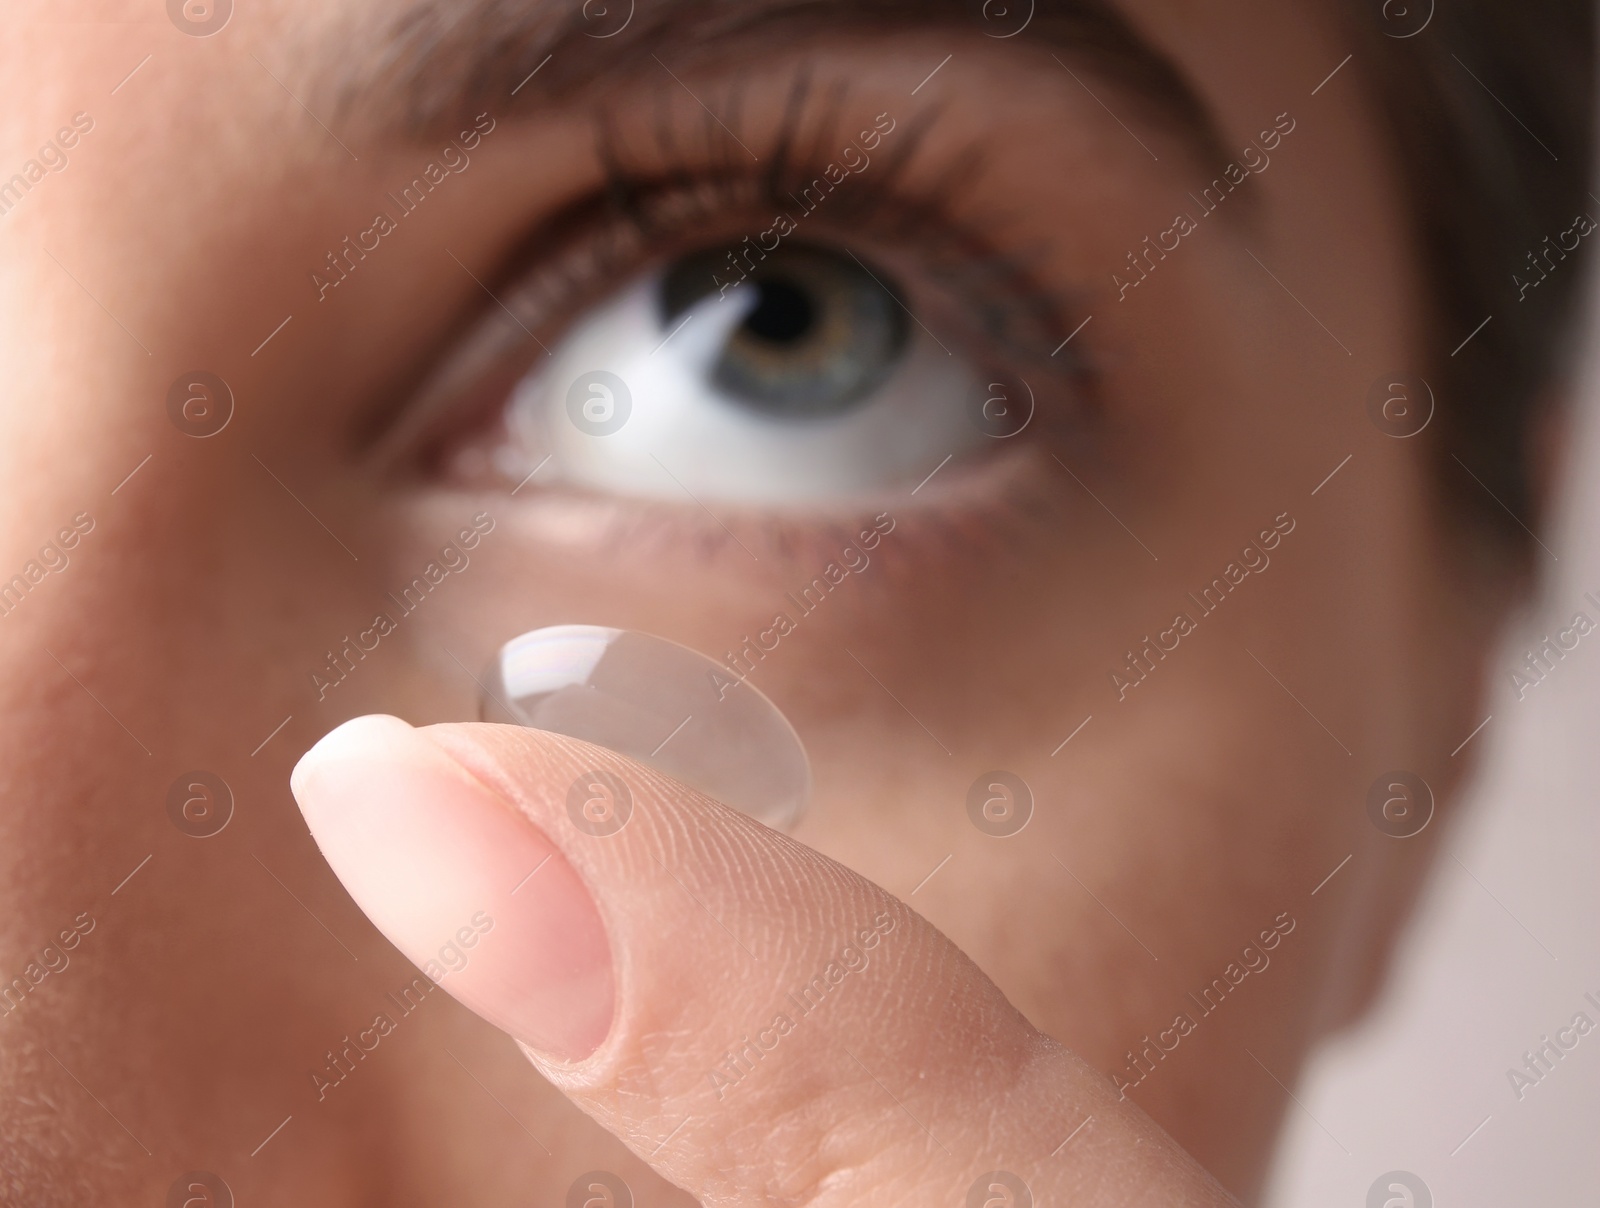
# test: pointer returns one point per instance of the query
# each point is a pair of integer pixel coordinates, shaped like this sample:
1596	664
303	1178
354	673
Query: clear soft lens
658	702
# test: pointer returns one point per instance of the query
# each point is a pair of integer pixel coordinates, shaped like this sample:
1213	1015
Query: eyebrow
440	62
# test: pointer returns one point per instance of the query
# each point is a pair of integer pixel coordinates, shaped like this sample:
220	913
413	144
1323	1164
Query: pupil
783	315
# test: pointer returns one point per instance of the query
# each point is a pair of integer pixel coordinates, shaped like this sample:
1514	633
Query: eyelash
651	208
1018	310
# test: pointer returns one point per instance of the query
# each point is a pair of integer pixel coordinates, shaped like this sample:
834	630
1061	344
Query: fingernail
461	882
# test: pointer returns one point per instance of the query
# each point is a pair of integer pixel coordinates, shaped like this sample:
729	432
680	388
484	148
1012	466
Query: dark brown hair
1491	105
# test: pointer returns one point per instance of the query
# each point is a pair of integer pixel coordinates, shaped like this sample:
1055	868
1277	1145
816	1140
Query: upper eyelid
489	339
818	126
440	60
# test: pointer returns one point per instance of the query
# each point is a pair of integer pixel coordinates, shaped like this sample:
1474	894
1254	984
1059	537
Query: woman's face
1197	607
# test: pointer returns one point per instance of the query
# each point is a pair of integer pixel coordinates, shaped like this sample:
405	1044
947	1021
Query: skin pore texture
1217	769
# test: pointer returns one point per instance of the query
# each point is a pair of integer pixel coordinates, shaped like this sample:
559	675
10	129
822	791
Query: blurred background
1504	945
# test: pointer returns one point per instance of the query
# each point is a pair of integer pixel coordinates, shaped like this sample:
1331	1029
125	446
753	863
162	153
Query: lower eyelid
965	511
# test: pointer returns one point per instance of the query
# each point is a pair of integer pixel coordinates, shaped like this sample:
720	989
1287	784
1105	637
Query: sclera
660	703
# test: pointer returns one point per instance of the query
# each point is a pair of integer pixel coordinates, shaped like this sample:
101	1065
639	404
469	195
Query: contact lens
660	703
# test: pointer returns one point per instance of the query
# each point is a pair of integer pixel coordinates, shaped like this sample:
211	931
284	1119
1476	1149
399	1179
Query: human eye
807	379
806	314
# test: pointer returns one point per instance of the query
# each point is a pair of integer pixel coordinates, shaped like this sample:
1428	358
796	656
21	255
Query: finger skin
789	1033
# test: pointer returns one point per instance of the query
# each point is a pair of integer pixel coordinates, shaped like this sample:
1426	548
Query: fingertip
445	867
372	735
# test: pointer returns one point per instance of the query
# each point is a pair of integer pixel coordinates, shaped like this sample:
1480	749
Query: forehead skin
179	236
